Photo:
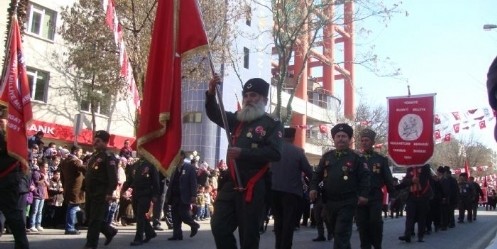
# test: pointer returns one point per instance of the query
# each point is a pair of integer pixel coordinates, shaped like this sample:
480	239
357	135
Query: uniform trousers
141	205
231	211
96	208
370	224
9	192
340	215
284	210
416	211
181	214
321	219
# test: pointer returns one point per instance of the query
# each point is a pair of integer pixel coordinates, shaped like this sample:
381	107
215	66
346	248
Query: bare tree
299	29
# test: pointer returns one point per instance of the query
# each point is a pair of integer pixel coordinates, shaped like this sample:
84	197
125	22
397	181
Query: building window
102	101
38	84
248	15
246	58
41	22
192	117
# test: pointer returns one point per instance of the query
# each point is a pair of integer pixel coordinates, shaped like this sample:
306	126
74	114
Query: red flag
323	128
482	124
485	184
466	167
447	137
437	134
178	29
109	15
456	115
456	128
15	95
437	119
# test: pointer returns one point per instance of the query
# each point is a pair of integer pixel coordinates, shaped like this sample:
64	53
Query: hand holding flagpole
238	184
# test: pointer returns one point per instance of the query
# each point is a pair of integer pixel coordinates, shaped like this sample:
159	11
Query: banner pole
238	185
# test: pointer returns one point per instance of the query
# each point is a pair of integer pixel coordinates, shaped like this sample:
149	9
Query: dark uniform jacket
183	183
287	173
260	140
417	181
380	175
101	175
345	175
144	179
72	176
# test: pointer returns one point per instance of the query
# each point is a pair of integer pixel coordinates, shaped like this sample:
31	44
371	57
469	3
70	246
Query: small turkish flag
456	115
482	124
447	137
437	134
437	119
323	128
456	128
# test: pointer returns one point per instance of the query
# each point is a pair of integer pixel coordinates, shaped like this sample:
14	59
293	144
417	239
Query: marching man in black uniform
346	184
369	218
100	183
144	179
10	176
257	141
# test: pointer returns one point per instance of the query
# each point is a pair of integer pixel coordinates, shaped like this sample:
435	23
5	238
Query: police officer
144	180
100	183
369	220
346	184
10	177
257	141
287	187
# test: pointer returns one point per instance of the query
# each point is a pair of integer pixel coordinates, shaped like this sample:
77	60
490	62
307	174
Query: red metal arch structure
331	73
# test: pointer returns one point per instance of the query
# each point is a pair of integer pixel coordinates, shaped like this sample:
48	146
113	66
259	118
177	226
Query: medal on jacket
345	170
249	134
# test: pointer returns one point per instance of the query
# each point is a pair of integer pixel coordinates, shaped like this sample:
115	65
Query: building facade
60	112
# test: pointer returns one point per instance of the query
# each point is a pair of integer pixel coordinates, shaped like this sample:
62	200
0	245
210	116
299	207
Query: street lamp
488	27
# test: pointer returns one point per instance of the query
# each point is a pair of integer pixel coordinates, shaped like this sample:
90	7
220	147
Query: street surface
477	235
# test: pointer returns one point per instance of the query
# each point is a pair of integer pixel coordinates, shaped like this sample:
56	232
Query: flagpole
225	124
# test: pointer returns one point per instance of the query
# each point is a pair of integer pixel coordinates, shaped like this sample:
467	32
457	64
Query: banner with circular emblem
410	129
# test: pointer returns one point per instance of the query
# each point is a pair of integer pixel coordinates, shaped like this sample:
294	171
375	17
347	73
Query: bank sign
410	129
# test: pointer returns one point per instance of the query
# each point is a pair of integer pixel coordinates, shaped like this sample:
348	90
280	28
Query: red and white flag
447	137
178	29
456	127
410	129
482	124
16	96
437	134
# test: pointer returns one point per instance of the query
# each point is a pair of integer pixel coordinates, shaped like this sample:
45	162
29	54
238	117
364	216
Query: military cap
342	127
464	174
447	169
257	85
368	133
105	136
290	132
441	169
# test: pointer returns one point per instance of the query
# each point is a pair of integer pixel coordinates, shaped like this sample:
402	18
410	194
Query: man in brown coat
73	175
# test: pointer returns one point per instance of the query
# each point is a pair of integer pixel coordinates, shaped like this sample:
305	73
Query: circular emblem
410	127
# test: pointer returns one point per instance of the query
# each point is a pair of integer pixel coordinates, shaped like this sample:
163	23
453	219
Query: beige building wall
59	104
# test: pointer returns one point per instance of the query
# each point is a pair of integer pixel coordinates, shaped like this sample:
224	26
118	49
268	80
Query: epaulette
328	152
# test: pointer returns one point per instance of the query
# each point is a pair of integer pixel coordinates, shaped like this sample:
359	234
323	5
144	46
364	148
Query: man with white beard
256	141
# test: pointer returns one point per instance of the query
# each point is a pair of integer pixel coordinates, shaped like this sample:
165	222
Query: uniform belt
343	196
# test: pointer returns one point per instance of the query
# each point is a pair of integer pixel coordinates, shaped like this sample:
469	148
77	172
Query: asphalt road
477	235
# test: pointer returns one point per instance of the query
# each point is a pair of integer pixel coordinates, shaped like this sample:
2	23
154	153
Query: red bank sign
410	129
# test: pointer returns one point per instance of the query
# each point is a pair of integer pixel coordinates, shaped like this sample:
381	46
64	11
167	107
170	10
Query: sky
440	47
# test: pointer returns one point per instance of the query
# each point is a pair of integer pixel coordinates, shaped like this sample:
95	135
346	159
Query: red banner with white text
410	129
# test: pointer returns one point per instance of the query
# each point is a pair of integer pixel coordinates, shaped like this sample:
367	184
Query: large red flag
178	29
15	95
